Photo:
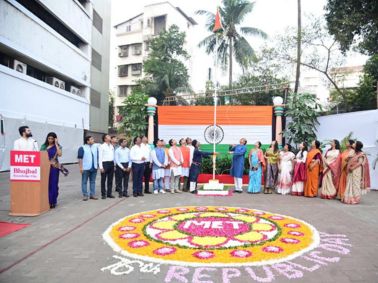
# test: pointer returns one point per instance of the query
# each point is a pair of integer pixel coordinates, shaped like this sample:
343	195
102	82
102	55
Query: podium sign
25	166
29	182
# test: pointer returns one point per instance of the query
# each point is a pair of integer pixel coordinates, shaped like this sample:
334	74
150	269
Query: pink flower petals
204	254
273	249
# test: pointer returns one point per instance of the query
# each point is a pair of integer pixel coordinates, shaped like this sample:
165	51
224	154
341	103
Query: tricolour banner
25	166
251	122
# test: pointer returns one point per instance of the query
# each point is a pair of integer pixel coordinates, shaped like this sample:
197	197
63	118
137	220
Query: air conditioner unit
123	54
75	90
19	66
56	82
136	72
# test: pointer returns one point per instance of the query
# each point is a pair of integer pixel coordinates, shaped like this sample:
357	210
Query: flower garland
211	236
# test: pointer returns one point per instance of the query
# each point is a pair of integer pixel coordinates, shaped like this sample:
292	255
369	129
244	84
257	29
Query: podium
29	183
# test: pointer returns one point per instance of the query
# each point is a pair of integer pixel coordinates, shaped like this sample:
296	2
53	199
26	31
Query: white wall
28	35
23	96
69	138
363	124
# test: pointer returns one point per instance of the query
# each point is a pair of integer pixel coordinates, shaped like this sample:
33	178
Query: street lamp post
279	108
151	110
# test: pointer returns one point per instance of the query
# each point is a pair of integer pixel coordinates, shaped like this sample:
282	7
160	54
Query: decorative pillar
279	108
151	110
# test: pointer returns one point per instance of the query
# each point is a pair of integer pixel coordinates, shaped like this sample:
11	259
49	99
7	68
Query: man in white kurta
26	142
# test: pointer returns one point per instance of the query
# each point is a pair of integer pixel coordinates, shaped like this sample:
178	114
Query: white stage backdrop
363	124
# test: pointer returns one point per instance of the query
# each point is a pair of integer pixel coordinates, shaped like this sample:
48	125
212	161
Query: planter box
224	179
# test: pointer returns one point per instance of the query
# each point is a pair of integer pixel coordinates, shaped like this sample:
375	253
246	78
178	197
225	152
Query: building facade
47	71
131	45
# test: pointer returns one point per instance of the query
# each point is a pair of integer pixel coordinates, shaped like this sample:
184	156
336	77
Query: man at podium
26	142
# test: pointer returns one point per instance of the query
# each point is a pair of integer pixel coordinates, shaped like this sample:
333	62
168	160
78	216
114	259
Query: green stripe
224	148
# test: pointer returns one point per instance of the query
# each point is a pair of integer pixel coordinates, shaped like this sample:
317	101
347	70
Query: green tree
166	73
111	110
134	113
320	52
303	108
231	40
351	20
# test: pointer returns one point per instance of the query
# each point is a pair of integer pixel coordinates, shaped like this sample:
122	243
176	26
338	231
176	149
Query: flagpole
215	103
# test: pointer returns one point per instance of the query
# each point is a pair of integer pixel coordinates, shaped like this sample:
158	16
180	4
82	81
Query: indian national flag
251	122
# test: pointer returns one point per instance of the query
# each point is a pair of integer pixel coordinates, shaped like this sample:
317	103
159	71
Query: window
137	49
149	22
159	24
123	70
128	28
136	69
96	59
122	90
95	98
146	45
97	21
123	51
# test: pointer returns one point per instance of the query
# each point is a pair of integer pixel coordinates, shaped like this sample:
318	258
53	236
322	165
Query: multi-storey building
131	45
53	71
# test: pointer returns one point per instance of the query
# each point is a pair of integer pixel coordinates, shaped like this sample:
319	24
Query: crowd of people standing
175	169
334	174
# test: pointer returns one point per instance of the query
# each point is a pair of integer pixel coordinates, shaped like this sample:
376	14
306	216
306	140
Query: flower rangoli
211	236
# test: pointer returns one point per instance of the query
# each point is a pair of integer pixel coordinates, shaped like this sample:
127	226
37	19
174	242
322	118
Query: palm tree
299	42
231	40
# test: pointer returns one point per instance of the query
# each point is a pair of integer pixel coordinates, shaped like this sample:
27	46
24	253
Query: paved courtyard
66	243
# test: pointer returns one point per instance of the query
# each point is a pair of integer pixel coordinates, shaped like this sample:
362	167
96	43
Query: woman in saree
285	180
313	169
54	150
300	175
256	164
272	157
346	155
331	171
358	178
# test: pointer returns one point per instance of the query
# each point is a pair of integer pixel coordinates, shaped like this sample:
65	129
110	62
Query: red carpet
8	228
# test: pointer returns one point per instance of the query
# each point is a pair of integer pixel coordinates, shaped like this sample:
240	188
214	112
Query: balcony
41	43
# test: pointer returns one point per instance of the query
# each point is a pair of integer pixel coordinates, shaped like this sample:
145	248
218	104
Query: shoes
126	195
194	192
94	198
172	191
156	192
178	191
111	196
147	192
162	192
135	195
238	191
103	197
84	199
120	196
141	194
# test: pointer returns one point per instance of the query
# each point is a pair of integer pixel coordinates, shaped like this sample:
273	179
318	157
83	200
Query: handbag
55	163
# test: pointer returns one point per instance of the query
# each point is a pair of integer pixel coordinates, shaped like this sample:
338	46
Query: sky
271	16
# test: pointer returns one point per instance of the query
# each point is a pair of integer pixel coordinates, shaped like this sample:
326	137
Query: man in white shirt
123	168
137	156
25	142
106	164
147	164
